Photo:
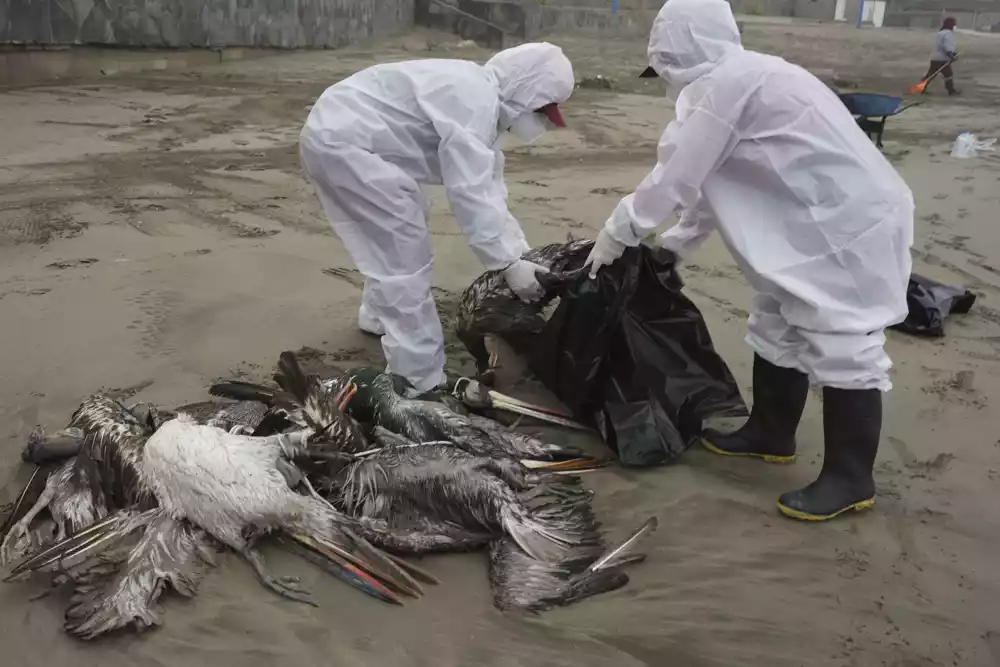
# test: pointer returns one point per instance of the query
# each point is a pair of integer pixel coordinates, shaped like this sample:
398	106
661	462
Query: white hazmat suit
370	143
818	221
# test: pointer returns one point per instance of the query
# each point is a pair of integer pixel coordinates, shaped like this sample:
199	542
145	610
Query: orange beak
553	113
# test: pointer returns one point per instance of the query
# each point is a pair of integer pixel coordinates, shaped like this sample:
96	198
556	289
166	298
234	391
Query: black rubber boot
950	87
852	423
779	395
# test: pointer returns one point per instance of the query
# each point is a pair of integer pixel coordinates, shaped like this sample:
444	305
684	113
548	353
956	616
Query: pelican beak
571	466
344	396
91	540
418	573
477	396
339	568
381	566
361	573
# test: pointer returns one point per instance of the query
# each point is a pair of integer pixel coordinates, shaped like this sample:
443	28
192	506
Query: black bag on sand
630	354
930	302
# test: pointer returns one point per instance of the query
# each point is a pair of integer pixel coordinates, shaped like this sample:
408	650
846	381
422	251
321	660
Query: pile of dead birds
346	471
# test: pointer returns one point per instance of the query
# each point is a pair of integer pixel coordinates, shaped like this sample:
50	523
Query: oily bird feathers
489	306
101	478
139	504
378	403
169	554
454	487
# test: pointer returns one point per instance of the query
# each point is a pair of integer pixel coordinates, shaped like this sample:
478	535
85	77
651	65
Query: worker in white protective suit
818	221
370	143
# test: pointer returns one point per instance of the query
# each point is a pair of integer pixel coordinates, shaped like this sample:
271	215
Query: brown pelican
100	478
79	493
522	582
306	401
146	502
545	547
303	401
378	403
185	487
488	306
232	487
451	487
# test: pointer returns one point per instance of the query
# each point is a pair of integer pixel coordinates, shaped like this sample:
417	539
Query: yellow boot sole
770	458
859	506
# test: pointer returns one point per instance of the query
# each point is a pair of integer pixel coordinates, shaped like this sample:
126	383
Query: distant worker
370	143
944	54
818	221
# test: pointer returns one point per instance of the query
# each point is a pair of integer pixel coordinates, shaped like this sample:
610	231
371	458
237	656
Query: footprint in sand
349	276
916	468
70	263
154	308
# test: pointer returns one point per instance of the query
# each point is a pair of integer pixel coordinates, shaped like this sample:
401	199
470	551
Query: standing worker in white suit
818	221
370	143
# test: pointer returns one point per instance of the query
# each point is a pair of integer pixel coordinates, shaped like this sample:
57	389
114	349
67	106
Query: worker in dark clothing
944	54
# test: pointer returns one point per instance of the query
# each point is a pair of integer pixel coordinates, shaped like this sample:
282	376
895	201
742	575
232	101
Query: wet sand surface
156	234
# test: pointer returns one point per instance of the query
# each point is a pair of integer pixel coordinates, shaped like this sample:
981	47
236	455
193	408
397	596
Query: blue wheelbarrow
871	111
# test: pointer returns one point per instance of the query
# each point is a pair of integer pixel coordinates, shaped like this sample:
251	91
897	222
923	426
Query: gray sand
156	234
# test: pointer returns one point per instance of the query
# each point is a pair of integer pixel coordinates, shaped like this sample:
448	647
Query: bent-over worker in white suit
370	143
818	221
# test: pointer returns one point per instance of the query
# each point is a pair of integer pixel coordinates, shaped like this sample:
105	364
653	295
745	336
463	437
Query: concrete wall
820	10
585	19
987	21
633	17
494	24
201	23
763	7
982	15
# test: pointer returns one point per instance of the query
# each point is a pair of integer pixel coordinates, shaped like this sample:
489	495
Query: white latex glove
605	251
521	279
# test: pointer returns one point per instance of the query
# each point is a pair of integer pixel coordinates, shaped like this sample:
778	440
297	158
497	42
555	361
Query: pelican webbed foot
286	587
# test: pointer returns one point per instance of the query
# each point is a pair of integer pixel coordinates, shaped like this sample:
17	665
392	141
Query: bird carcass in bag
630	354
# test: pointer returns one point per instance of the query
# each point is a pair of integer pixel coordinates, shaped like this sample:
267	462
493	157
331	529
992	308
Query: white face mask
528	127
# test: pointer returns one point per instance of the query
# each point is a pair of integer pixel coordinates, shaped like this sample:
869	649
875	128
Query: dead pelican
488	306
189	486
232	487
545	546
521	582
377	403
303	401
145	502
100	478
307	401
448	487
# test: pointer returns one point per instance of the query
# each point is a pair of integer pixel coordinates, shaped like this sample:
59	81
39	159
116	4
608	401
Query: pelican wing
170	553
585	569
113	444
522	582
476	494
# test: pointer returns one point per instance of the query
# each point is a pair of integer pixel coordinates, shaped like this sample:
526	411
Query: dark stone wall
201	23
503	22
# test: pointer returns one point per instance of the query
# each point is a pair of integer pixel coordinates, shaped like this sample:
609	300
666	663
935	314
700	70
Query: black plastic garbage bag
930	302
630	354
